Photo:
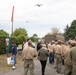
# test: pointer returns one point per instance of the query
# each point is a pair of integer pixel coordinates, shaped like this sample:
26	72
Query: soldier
67	60
55	65
73	57
51	47
28	55
50	51
58	52
64	49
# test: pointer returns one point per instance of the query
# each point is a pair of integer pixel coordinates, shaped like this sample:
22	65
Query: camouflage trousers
28	66
59	63
67	70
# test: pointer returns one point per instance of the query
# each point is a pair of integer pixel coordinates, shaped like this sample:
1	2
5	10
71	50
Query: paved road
19	71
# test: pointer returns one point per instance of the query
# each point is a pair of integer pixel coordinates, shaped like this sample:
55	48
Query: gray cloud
53	13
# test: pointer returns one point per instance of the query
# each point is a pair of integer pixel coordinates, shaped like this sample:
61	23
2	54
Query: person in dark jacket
39	45
43	54
14	53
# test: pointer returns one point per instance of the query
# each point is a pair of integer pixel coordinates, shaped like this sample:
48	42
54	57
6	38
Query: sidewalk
19	71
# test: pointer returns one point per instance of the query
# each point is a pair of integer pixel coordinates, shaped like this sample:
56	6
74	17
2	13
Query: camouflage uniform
67	61
28	54
70	61
73	58
58	51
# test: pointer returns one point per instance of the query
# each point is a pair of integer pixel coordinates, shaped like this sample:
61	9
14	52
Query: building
50	37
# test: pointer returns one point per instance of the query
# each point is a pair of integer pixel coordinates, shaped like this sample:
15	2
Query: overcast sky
53	13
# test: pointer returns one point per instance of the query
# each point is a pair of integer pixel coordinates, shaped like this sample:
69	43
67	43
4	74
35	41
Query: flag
12	14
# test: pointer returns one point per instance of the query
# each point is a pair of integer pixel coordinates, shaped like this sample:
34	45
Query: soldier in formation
28	55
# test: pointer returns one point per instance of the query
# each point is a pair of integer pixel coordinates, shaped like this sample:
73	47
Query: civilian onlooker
43	54
26	44
23	45
14	53
39	45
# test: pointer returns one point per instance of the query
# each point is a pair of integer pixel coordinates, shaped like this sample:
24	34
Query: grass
3	62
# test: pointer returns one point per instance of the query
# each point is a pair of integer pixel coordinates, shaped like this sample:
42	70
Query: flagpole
12	20
12	30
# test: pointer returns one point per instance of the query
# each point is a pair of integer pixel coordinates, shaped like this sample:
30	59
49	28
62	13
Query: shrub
2	46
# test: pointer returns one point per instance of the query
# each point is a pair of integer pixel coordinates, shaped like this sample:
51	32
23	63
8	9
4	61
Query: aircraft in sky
26	21
39	5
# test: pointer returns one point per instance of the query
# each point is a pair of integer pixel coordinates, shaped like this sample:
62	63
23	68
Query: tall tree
20	31
70	31
67	32
21	35
34	38
55	30
3	33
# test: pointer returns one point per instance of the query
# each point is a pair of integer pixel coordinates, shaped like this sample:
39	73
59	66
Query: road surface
37	71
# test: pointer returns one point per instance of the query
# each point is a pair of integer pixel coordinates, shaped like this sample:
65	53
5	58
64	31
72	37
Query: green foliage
20	31
15	39
3	33
21	35
2	48
2	45
70	31
34	38
35	35
66	34
22	38
3	36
